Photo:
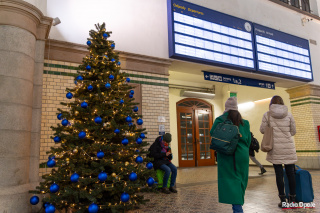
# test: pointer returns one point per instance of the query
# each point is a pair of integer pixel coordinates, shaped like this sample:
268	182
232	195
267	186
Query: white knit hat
231	104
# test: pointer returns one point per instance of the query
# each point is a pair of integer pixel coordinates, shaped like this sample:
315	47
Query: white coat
284	127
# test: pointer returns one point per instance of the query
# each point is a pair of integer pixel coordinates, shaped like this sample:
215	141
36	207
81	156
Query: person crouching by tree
161	152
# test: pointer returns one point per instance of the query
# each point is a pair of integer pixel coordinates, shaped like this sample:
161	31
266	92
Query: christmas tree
101	165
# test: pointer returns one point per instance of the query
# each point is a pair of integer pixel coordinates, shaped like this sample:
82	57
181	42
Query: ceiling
197	68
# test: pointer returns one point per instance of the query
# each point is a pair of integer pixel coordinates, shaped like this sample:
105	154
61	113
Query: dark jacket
155	153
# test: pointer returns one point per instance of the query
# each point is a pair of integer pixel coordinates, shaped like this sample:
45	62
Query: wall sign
230	79
282	54
207	36
202	35
162	130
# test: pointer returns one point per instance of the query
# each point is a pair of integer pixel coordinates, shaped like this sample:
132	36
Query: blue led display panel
203	35
282	54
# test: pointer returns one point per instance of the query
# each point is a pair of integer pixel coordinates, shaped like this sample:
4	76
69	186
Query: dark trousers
167	170
290	171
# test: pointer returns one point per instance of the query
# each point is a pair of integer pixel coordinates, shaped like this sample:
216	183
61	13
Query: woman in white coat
284	151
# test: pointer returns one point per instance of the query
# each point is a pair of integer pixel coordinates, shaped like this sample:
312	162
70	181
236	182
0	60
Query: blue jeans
237	208
167	170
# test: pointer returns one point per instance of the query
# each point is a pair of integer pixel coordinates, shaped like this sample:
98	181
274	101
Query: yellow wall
245	94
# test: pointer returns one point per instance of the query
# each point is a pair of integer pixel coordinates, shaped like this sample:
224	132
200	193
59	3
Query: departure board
203	35
282	54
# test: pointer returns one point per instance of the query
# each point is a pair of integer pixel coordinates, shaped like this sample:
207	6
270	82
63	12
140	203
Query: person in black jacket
161	152
254	146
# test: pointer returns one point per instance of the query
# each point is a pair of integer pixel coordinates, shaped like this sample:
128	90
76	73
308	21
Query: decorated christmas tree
101	163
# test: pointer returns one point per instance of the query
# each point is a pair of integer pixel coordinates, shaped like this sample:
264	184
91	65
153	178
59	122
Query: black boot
282	199
262	171
292	198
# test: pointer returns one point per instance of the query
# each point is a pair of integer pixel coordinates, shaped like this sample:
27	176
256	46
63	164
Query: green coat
232	184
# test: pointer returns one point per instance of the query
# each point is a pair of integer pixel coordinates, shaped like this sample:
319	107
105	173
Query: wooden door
194	121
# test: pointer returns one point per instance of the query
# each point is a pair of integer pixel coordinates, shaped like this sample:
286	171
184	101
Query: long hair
276	100
235	117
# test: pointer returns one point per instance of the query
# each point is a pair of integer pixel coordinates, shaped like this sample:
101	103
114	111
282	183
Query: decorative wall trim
21	14
304	91
71	52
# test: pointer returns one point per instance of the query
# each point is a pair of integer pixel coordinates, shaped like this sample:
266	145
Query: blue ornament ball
105	35
112	60
88	67
150	181
139	159
128	80
139	121
113	45
117	131
142	136
88	43
125	197
137	150
98	120
51	163
57	139
128	119
51	157
107	85
74	178
125	141
45	204
130	96
93	208
54	188
82	134
75	82
90	88
135	109
64	122
34	200
121	101
79	78
118	63
50	208
149	165
69	95
100	154
130	124
106	56
102	176
133	176
59	116
132	92
111	77
84	104
139	140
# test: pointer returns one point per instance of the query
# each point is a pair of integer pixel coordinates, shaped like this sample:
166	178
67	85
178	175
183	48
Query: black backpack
254	143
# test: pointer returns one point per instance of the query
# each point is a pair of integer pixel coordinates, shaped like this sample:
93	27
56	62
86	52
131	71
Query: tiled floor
197	193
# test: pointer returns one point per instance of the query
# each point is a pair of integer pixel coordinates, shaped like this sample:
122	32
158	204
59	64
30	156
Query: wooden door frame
193	108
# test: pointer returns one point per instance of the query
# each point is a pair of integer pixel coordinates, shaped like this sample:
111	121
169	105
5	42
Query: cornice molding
304	91
24	15
71	52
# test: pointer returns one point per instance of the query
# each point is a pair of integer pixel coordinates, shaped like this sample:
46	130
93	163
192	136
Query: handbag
267	141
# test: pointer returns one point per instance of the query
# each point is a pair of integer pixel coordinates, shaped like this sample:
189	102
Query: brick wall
59	75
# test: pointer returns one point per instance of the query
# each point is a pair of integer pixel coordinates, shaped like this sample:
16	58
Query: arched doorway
194	123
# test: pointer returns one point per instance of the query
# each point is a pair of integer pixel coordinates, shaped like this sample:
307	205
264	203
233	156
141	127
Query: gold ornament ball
114	175
68	162
76	113
67	159
75	151
126	163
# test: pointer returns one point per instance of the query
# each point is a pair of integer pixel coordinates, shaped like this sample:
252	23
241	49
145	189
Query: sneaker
173	190
165	190
262	171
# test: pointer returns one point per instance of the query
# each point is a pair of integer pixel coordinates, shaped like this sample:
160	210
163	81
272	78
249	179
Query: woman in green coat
233	170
